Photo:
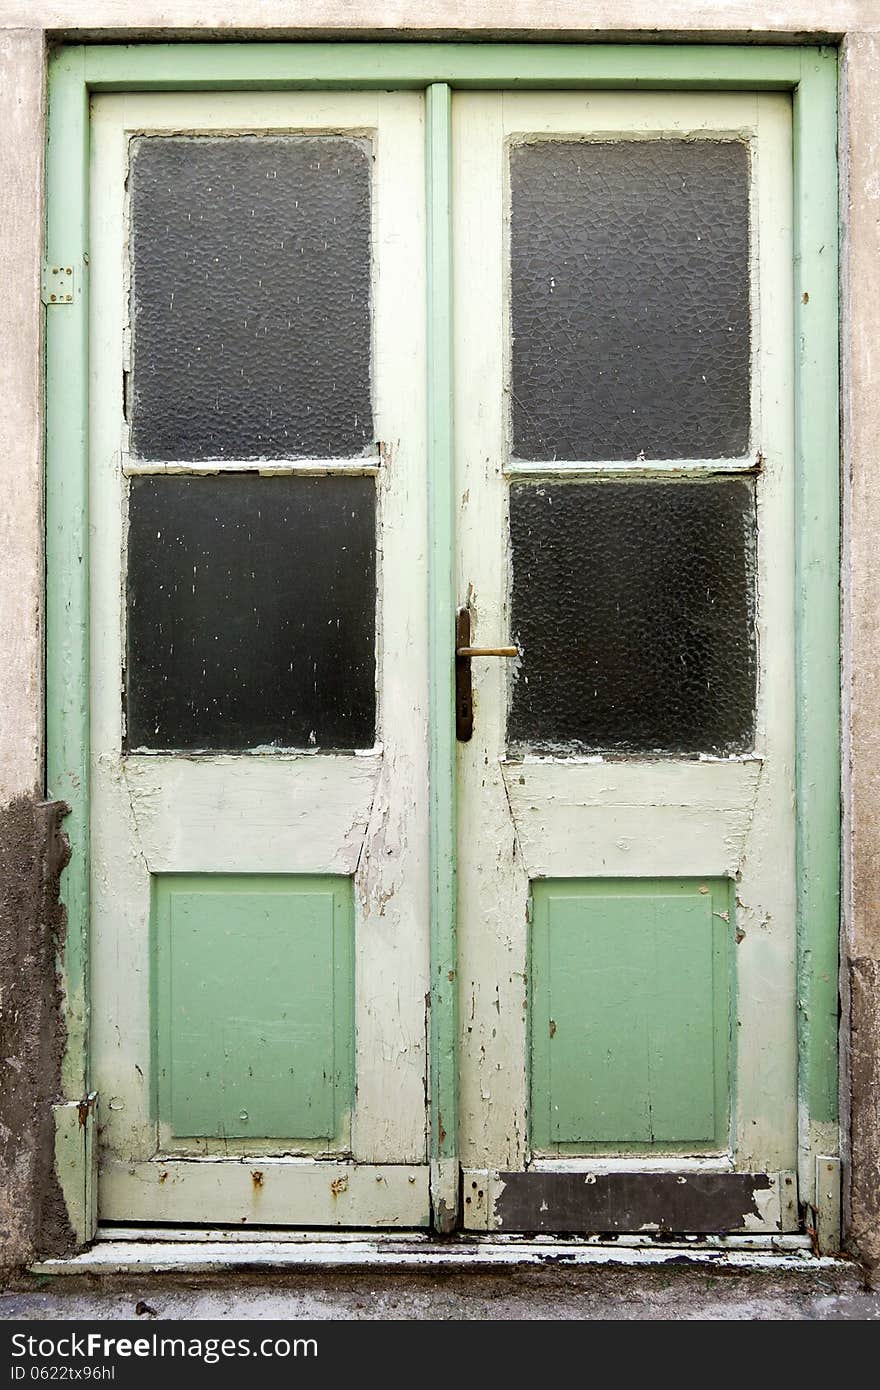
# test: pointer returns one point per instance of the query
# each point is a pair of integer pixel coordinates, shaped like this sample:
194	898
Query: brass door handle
464	702
486	651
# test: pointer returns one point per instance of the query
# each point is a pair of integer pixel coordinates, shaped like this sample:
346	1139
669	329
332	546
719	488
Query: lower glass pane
251	613
633	605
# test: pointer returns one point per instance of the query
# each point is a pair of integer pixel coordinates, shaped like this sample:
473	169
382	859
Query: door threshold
213	1252
161	1235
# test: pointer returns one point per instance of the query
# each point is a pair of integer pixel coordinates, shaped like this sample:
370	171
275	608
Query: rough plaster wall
21	451
862	670
562	19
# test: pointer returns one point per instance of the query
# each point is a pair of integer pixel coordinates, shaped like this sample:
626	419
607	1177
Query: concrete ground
671	1292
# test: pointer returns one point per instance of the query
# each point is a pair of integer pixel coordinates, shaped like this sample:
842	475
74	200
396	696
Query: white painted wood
641	1163
266	468
269	814
159	1237
634	818
230	1235
492	877
607	468
361	815
583	816
391	885
766	1030
265	1191
777	1254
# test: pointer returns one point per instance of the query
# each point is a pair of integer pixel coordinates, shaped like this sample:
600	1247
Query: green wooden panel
630	1014
232	66
254	1005
817	570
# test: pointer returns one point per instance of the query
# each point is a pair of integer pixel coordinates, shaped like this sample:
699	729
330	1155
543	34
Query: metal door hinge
57	283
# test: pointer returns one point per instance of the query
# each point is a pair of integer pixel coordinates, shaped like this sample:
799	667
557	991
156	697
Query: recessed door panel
630	1013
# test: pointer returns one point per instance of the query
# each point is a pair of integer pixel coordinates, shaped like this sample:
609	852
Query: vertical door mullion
441	608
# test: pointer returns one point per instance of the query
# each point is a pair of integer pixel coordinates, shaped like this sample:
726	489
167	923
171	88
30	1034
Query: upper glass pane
250	297
630	299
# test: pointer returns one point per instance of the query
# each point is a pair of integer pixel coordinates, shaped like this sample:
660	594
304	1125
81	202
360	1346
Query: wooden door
624	388
258	687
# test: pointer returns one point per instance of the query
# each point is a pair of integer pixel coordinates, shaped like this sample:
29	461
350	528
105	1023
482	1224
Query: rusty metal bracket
57	283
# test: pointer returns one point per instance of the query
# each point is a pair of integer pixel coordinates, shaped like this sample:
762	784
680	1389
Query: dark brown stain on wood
575	1203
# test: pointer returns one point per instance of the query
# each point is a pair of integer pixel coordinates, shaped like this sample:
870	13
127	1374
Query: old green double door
259	587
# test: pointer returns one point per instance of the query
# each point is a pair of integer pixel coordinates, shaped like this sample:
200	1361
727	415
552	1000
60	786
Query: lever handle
464	701
486	651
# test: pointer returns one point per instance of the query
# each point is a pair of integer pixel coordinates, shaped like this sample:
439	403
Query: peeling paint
265	811
222	1191
700	1202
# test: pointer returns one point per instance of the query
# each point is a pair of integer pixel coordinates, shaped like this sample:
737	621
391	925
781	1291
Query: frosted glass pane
630	299
633	605
250	297
251	612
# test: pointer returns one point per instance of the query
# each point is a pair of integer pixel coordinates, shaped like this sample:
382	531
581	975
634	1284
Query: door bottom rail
654	1202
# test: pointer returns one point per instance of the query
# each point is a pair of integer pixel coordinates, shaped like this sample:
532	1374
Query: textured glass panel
250	297
633	605
251	612
630	299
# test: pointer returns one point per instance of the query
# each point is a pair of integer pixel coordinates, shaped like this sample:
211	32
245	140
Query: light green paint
76	1163
441	658
811	75
254	1005
67	533
630	1014
817	569
194	67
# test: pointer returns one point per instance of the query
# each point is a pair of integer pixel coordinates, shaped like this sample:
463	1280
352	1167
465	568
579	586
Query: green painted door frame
810	74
